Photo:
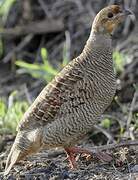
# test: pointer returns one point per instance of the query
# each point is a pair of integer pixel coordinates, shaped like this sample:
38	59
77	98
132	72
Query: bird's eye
110	15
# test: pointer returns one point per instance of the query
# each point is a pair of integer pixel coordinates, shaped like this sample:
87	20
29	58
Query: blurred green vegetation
106	123
42	70
5	6
11	113
120	60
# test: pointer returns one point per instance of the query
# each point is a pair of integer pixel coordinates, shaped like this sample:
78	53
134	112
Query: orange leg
71	158
72	151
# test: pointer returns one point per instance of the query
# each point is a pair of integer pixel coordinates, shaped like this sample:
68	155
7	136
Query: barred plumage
69	106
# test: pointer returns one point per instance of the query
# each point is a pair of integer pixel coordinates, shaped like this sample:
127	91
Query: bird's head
108	19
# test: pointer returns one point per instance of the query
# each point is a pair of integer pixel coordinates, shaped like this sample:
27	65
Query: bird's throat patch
109	26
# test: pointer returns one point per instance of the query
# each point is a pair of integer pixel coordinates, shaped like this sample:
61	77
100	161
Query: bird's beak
127	12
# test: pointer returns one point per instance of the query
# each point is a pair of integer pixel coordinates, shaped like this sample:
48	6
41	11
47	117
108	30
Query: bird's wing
49	101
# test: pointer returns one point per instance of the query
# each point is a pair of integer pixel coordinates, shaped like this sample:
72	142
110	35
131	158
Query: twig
124	43
131	109
27	95
40	27
22	44
96	148
45	9
67	45
27	10
115	145
107	134
93	150
39	48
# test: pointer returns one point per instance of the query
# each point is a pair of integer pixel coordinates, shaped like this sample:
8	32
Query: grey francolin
68	107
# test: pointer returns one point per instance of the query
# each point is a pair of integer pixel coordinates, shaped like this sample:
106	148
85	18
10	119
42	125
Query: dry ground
53	165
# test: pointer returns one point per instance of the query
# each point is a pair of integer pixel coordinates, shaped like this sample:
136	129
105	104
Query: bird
72	103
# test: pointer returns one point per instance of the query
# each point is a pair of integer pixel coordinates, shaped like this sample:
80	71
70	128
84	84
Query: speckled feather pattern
70	105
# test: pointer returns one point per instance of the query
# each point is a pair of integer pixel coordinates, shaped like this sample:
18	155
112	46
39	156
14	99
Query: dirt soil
53	165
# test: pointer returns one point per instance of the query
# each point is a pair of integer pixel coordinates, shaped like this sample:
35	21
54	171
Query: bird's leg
78	150
71	158
72	151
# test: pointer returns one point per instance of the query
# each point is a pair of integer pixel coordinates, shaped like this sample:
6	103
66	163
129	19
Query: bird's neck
98	48
97	39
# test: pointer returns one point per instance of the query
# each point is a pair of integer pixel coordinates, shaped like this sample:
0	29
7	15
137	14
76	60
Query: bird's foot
71	157
72	151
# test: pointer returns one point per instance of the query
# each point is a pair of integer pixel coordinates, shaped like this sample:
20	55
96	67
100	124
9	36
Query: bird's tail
25	144
14	156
